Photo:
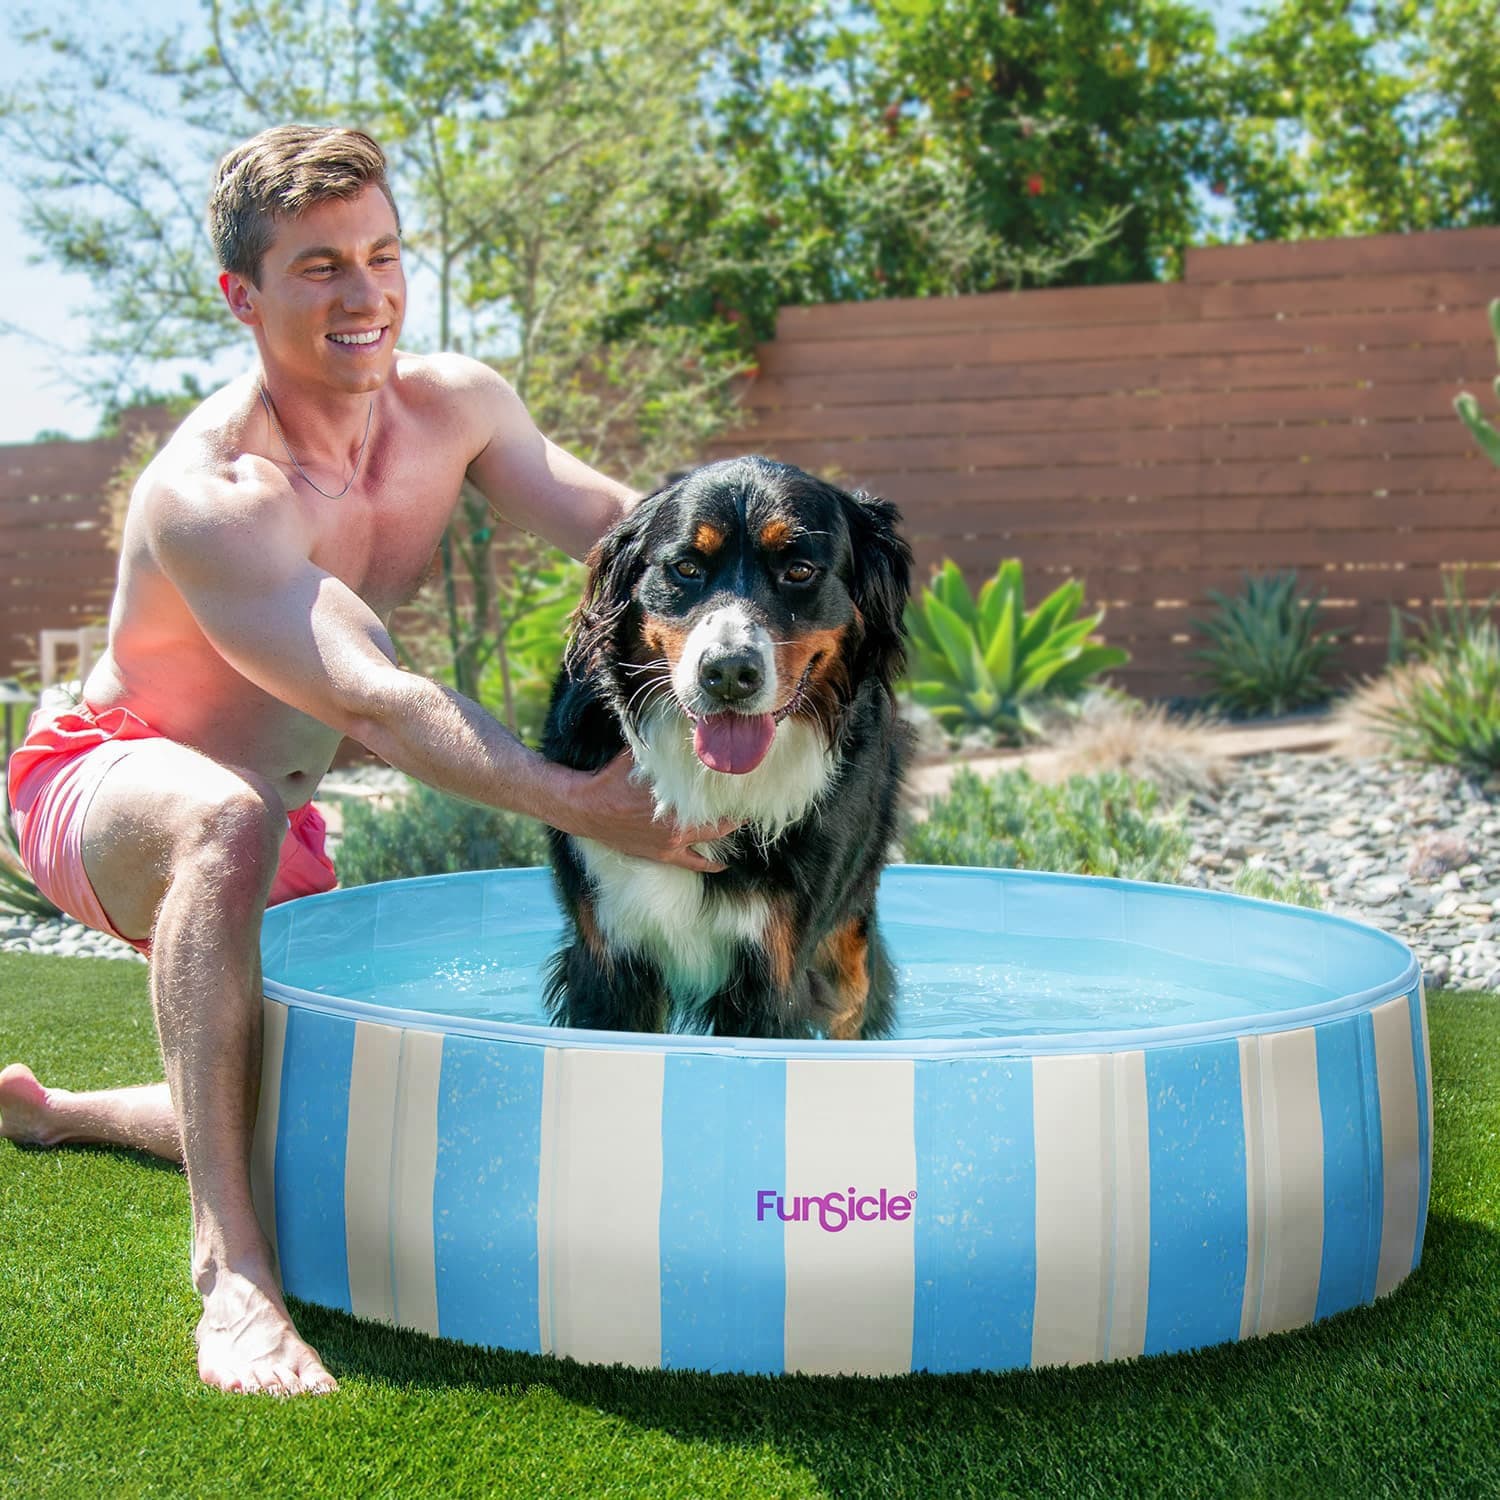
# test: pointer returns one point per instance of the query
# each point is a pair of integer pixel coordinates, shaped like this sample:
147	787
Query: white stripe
267	1122
1396	1069
1132	1205
547	1149
1284	1177
373	1078
413	1176
849	1294
1072	1097
599	1238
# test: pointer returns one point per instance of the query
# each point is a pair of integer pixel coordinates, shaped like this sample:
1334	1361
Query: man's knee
232	831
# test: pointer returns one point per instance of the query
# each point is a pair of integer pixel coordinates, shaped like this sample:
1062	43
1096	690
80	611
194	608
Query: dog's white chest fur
660	911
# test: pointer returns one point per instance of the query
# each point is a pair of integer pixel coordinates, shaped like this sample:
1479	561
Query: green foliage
982	663
1089	825
1450	713
1351	117
540	589
1257	881
1484	433
1268	654
1446	629
426	832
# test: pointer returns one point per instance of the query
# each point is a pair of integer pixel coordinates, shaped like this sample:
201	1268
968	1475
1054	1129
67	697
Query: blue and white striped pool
1117	1119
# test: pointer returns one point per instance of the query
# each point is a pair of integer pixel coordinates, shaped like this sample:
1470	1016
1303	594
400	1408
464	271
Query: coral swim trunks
52	779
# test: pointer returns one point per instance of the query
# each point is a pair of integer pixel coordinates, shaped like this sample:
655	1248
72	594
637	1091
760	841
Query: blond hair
280	173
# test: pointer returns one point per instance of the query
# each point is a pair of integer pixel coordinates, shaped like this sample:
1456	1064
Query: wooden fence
56	567
1285	406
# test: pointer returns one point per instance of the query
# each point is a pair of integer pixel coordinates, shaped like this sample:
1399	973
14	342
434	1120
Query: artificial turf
98	1393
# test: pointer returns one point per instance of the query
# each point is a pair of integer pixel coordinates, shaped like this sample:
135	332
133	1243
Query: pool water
979	954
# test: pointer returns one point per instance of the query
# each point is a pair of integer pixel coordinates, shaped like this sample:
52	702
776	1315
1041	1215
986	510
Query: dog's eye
799	572
685	567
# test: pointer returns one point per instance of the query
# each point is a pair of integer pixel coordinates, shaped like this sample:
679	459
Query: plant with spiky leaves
1485	433
983	663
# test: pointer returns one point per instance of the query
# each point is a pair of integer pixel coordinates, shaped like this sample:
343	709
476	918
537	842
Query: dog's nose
732	677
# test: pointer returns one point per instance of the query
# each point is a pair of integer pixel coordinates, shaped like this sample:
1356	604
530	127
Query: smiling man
264	551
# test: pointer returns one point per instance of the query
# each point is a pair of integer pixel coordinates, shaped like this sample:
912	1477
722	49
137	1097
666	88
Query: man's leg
141	1117
185	850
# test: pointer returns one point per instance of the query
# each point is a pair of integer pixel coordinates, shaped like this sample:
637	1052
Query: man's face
332	295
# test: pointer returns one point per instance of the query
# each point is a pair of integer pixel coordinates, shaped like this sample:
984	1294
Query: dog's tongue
735	743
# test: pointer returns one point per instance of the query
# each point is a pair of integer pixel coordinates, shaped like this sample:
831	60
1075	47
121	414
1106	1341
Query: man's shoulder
448	375
207	477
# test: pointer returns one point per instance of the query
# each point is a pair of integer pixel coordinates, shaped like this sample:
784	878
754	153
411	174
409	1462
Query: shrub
1268	653
979	664
1115	732
1449	712
1087	825
1296	890
426	832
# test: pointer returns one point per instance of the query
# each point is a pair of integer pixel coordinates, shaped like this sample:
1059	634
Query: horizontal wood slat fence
56	567
1284	406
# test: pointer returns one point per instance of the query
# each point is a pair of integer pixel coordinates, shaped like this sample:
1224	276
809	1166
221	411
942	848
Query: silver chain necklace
265	401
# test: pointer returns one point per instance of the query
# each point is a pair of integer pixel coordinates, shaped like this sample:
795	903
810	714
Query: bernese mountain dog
741	632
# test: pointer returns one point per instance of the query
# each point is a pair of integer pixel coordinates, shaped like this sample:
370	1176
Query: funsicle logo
834	1211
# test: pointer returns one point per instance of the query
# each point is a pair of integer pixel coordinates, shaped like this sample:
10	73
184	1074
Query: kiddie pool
1118	1119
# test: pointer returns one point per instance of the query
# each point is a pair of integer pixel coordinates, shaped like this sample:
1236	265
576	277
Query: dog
741	632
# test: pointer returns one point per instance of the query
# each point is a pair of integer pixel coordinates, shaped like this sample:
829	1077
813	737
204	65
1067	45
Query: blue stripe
1199	1229
1348	1230
976	1221
484	1198
723	1269
311	1140
1424	1145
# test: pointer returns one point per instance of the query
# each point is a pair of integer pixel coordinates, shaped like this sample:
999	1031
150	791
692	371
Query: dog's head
746	593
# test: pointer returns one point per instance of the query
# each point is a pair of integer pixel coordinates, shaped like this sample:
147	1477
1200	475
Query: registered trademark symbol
912	1194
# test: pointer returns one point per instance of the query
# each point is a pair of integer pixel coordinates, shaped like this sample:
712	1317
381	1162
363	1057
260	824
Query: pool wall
625	1203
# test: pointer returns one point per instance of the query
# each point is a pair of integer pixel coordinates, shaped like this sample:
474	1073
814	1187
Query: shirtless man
264	551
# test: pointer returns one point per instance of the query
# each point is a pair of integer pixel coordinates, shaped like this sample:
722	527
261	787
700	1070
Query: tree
1349	117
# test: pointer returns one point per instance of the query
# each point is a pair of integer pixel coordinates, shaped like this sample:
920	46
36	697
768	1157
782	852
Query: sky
47	304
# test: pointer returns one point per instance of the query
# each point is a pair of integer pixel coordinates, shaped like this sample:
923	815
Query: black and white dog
741	633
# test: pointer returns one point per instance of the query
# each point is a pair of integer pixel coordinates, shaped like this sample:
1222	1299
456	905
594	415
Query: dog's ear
881	568
614	565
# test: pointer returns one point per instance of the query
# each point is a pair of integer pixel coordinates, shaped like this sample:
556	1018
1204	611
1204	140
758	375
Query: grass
98	1395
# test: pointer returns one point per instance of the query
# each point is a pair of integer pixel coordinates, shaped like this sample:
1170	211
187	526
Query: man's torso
379	540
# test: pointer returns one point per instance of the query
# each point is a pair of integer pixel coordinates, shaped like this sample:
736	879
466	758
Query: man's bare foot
246	1341
26	1109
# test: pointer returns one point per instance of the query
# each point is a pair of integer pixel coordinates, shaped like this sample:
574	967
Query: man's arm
526	477
240	562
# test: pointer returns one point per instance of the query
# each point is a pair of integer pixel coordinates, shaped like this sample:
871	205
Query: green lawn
98	1394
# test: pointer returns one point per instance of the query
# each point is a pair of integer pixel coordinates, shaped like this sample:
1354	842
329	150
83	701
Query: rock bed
1415	852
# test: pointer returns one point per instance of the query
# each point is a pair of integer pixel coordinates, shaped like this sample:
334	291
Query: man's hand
619	812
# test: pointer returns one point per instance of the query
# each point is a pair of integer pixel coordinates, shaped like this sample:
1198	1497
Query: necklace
265	401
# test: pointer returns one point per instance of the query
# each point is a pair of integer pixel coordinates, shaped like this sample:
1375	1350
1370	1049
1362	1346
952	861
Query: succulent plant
981	663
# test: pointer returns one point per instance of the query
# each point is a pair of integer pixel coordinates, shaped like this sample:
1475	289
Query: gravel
1413	851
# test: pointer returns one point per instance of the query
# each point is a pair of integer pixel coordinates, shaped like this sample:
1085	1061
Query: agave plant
1485	434
1268	654
983	663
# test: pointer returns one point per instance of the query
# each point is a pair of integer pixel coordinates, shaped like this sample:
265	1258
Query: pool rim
1037	1044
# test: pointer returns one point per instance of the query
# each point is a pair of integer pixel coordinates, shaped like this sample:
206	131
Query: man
264	551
